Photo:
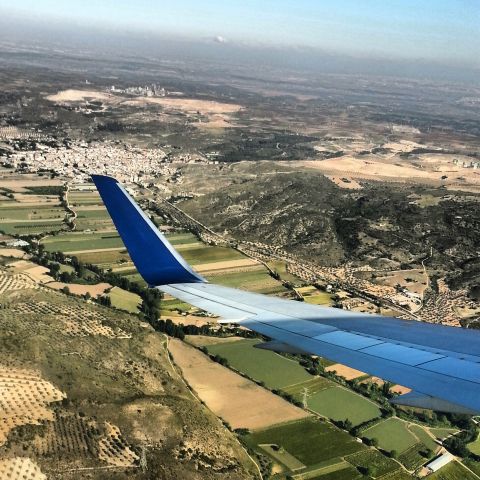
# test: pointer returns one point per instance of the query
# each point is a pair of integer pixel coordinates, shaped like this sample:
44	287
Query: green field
472	465
262	365
181	238
392	434
337	471
453	471
310	441
207	254
373	458
474	447
71	242
424	437
38	213
321	298
281	268
254	280
313	385
105	259
282	456
31	227
136	277
338	403
94	214
124	300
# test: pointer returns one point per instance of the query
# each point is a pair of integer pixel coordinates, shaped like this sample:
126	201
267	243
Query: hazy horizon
224	43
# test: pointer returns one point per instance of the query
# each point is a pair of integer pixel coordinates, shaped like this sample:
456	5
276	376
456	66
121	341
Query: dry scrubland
85	386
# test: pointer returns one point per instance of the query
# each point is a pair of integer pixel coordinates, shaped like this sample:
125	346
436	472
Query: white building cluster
79	161
152	90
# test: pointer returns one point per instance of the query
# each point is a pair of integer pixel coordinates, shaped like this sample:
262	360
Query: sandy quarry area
78	289
362	168
403	146
189	105
432	168
344	371
238	401
79	96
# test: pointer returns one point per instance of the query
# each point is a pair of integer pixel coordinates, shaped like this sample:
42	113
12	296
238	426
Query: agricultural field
125	300
315	444
258	281
372	458
453	471
20	468
91	214
312	386
262	365
442	433
338	403
28	205
392	434
235	399
26	399
474	446
73	242
281	268
315	296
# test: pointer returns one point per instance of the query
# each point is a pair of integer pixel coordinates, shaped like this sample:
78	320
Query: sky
446	31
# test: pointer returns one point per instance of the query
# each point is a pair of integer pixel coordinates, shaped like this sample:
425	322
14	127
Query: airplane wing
440	364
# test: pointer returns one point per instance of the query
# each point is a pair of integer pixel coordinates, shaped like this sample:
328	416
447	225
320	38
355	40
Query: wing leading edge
440	364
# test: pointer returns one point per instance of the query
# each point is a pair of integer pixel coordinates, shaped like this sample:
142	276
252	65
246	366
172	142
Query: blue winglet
153	255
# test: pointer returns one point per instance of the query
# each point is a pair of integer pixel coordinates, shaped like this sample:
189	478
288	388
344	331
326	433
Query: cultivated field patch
80	289
392	434
125	300
262	365
25	399
343	371
310	441
338	403
238	401
114	449
20	468
15	281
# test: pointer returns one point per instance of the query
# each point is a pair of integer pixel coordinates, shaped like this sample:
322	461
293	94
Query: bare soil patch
345	182
346	372
12	252
77	289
